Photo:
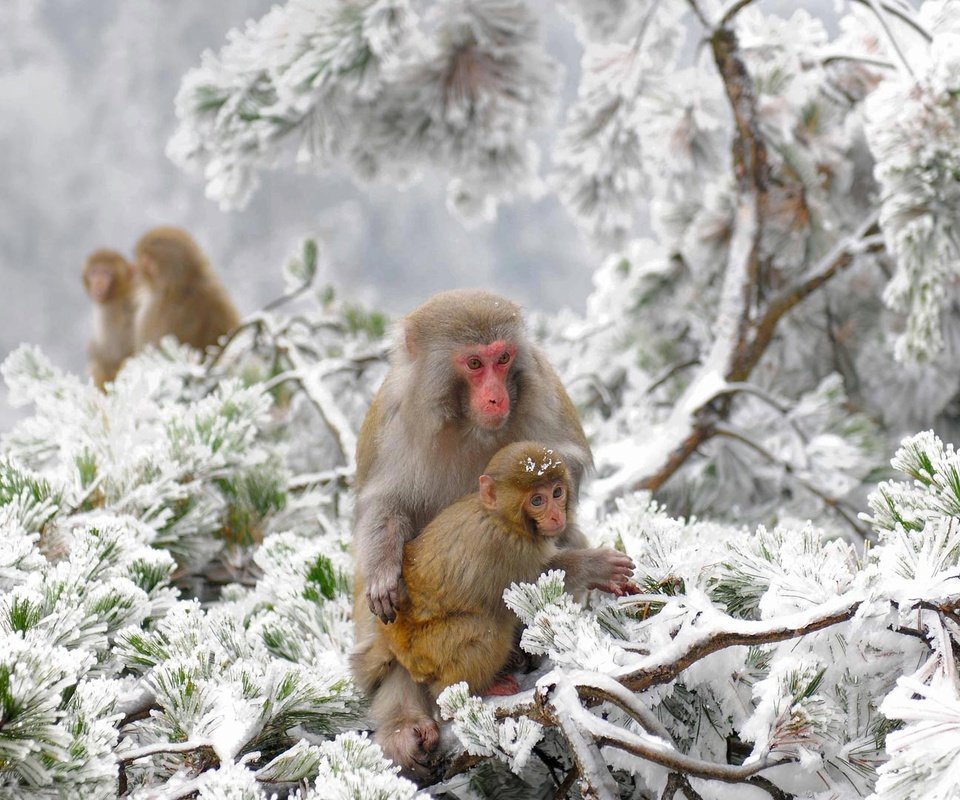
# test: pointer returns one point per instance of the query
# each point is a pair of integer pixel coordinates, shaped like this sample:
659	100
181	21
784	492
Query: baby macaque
108	279
452	625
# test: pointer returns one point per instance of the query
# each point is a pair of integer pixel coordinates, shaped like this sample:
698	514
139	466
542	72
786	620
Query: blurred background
86	109
87	98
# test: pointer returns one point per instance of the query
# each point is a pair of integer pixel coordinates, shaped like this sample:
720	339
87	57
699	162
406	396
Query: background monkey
181	295
108	279
464	381
453	625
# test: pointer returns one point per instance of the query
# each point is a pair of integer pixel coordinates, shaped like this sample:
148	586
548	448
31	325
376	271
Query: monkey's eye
558	491
537	500
474	363
504	358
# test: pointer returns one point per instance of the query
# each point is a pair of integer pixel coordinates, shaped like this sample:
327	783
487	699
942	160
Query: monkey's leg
406	730
370	661
471	649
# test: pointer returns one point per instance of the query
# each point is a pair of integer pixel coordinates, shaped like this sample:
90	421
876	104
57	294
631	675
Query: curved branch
829	500
667	664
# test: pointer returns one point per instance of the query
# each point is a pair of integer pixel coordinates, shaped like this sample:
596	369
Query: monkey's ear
409	343
488	492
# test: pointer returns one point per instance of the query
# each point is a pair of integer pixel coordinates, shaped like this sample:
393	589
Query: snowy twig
311	379
849	515
731	11
127	756
902	14
880	13
307	479
559	703
258	322
880	63
672	370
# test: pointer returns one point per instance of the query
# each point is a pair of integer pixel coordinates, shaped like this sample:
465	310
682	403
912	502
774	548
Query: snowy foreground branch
757	657
563	696
798	652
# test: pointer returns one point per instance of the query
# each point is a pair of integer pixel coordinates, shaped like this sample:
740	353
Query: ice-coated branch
694	417
559	702
721	631
607	734
840	257
595	687
127	756
849	515
311	379
559	698
750	162
715	632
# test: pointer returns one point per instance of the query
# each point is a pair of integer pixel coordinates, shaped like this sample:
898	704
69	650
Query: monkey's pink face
485	369
546	505
99	280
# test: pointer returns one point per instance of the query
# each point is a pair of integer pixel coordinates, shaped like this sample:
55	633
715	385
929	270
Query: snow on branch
374	85
912	124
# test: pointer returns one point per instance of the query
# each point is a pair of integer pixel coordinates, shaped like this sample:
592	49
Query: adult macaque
181	295
452	625
463	382
108	279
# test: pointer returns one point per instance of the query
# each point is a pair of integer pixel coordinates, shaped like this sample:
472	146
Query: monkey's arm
594	568
379	540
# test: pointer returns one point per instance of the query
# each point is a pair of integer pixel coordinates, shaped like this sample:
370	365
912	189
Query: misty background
86	110
86	92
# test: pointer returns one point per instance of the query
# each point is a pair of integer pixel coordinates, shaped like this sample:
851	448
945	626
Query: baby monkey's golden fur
454	625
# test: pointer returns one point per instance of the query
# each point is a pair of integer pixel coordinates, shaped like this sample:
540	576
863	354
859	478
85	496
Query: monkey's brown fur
182	295
113	313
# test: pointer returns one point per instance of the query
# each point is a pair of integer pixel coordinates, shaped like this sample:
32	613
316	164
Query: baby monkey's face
546	505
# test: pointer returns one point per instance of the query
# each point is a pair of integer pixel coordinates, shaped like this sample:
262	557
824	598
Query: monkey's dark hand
610	571
384	593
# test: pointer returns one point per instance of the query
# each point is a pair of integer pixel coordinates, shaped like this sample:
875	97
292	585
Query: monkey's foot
503	686
411	745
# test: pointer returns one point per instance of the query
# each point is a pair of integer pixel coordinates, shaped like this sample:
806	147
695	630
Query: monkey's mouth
548	528
492	420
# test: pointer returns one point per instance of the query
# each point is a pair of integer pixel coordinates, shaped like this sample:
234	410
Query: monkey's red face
546	505
485	369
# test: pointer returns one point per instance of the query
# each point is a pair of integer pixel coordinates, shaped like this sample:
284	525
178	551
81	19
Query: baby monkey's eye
536	500
558	491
